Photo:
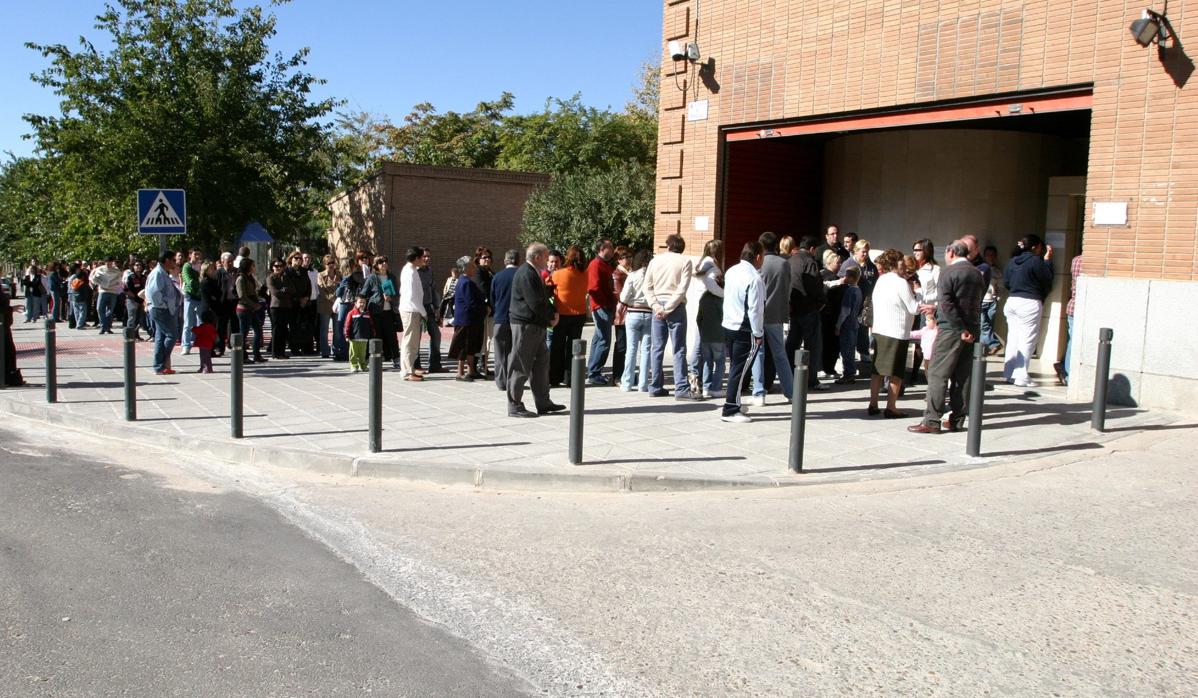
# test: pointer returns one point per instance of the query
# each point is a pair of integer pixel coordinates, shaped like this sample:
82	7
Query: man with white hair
530	315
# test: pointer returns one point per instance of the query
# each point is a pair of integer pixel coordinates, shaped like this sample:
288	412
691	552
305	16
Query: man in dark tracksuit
959	324
807	296
531	315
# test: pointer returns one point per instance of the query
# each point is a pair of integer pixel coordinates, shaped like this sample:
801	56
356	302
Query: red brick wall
451	210
786	59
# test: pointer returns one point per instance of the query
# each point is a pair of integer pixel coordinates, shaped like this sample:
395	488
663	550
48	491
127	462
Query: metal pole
798	411
51	362
1102	377
977	392
130	374
578	373
236	392
376	395
3	353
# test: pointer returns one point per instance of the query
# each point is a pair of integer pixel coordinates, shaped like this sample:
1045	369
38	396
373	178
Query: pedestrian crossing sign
161	212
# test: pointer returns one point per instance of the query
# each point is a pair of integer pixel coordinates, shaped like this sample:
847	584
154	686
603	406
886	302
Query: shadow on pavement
662	405
697	459
439	448
879	466
1087	446
87	402
1155	427
297	433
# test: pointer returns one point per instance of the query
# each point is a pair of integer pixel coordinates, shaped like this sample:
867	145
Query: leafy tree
454	139
190	97
583	208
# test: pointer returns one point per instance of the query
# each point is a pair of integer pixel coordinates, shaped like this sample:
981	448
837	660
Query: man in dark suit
530	315
501	298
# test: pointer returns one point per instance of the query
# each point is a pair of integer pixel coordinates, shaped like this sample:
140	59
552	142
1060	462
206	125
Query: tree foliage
588	206
190	97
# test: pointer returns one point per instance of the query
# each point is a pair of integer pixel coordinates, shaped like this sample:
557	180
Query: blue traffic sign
161	212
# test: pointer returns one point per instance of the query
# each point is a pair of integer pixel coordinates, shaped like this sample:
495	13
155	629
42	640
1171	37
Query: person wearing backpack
79	295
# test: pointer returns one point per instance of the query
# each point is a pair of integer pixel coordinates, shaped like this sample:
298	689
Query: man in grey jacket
776	276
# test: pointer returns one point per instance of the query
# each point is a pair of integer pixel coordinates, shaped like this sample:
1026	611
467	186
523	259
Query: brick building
902	119
448	209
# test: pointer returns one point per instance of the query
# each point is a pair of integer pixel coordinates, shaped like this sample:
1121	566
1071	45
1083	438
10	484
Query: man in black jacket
807	297
958	325
531	315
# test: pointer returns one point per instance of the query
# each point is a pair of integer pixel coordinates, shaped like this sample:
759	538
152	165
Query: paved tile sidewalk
315	406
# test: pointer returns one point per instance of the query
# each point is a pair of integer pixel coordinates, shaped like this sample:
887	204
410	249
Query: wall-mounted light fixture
684	52
1152	26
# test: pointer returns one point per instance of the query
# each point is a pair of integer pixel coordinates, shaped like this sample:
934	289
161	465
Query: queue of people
732	333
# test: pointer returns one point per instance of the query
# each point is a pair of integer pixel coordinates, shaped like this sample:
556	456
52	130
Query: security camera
692	53
677	52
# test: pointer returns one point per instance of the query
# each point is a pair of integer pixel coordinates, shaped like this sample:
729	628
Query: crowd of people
732	332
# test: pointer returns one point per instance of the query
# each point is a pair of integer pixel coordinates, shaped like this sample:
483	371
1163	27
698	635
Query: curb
468	475
443	474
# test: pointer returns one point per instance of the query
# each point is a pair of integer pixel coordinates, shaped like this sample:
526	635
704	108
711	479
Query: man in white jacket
411	312
666	280
107	280
744	323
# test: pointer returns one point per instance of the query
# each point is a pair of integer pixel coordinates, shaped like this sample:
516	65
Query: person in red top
204	338
602	296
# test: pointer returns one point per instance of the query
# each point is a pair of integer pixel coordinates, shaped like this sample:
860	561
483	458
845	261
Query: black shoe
521	413
819	387
550	408
658	393
686	396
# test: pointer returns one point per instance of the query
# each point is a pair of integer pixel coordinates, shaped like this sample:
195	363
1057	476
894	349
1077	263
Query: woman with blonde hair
894	309
326	284
786	246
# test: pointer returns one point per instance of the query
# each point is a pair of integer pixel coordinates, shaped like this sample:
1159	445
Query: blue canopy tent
254	232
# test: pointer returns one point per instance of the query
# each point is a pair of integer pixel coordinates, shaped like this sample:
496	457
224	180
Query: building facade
451	210
905	119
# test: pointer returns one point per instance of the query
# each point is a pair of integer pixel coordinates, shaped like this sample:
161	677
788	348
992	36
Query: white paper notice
697	111
702	223
1110	213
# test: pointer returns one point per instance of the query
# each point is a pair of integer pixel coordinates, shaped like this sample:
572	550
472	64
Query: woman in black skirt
469	316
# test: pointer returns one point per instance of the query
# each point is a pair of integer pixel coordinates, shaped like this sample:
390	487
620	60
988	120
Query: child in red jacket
204	338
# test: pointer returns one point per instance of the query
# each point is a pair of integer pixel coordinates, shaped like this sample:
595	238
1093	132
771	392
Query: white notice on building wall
1110	213
697	111
702	223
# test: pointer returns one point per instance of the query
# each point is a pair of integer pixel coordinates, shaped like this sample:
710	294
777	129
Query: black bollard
51	362
798	411
376	395
236	392
130	374
1102	377
977	392
578	375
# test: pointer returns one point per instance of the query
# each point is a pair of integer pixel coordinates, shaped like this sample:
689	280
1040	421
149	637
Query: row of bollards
798	410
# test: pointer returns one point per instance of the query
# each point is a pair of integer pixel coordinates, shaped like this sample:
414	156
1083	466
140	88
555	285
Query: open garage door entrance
998	168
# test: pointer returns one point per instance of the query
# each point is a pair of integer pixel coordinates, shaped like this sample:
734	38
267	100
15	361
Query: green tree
583	208
469	139
190	97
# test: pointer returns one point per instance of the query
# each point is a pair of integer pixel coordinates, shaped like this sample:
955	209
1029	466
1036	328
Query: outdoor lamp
1152	26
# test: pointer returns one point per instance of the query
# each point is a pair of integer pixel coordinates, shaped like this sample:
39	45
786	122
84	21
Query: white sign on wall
702	224
697	110
1110	213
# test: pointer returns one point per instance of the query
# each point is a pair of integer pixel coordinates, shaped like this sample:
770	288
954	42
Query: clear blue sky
383	56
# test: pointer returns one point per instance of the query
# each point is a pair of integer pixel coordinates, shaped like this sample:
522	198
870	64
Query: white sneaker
737	418
1028	383
753	401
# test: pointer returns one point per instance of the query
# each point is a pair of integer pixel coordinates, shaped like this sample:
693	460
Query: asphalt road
116	581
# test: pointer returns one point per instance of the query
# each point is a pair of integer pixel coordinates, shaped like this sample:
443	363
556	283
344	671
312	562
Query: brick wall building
448	209
900	119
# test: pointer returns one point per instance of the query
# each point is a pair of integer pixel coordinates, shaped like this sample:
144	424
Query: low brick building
451	210
904	119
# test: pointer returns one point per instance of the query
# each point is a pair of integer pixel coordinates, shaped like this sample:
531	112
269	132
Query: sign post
161	212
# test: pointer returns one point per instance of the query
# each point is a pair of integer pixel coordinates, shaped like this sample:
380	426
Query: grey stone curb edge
369	466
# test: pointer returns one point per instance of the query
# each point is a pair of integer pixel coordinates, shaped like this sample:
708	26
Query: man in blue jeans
743	321
167	305
107	281
775	276
601	293
666	280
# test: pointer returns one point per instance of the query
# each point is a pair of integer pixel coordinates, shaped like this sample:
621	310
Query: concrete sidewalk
311	413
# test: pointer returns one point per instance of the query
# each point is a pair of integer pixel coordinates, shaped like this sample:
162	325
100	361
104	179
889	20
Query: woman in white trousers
1029	280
